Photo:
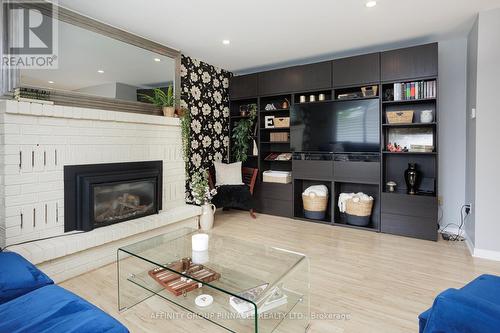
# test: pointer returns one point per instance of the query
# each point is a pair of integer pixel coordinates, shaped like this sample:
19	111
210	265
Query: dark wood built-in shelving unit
393	212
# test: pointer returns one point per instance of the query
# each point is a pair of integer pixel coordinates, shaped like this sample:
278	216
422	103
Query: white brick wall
36	141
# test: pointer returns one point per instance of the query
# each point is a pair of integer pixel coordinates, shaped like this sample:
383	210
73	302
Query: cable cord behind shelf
464	213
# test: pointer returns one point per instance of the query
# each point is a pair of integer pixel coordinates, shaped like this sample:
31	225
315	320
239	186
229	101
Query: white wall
487	226
452	105
470	166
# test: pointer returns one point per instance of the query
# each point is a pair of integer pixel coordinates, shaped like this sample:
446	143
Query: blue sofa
473	308
30	302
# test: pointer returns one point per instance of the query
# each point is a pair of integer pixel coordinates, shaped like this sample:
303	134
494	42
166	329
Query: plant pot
207	216
180	112
168	111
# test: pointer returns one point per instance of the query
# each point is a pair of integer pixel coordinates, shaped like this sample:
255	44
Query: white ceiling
266	33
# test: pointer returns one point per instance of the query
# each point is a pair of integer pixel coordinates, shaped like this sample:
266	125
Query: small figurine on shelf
285	104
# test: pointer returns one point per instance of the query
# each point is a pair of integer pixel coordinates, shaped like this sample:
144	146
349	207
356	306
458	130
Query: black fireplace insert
98	195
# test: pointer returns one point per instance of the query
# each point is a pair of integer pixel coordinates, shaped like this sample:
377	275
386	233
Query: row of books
415	90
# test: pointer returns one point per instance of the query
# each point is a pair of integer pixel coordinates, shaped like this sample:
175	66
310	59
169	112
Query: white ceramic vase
426	116
207	216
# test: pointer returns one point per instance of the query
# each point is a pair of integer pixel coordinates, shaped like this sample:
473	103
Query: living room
249	167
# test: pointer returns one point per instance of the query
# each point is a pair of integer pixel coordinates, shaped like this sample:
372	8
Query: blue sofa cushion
18	276
474	308
52	309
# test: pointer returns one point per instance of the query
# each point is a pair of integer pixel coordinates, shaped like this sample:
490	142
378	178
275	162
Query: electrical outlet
473	113
468	209
440	200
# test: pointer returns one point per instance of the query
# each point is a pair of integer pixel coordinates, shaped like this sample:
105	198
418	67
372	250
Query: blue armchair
473	308
30	302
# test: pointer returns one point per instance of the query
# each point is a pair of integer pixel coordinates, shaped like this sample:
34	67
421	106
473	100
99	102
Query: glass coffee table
237	285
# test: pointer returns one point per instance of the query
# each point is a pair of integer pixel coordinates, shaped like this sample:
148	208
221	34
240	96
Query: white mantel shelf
59	111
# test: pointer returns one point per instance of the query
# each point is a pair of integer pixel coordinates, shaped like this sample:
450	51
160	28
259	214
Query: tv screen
340	126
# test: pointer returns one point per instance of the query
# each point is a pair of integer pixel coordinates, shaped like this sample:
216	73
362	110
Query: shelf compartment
327	93
369	189
277	101
410	101
299	186
395	165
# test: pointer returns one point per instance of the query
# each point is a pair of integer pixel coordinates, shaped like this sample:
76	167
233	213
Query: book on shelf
414	90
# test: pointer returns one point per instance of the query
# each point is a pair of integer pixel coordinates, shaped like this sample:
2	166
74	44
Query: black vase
412	177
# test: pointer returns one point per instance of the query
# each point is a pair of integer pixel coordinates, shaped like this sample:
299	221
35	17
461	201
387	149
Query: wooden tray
177	284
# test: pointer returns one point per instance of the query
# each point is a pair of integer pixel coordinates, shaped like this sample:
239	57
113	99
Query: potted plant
163	100
185	117
203	197
242	136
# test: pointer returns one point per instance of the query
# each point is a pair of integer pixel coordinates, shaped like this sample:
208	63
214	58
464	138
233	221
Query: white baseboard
487	254
469	244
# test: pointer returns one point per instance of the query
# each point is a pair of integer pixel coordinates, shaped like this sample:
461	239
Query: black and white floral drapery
205	93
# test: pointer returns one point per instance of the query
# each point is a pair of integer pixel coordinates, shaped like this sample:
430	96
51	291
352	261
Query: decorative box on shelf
280	177
279	137
281	122
400	117
369	91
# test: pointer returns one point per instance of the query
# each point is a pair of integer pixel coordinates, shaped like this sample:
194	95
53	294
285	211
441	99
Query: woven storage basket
361	208
400	117
314	203
282	122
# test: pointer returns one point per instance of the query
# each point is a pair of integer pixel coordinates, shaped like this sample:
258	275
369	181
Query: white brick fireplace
37	141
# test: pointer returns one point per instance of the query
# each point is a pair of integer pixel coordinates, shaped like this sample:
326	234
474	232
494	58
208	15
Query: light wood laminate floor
381	282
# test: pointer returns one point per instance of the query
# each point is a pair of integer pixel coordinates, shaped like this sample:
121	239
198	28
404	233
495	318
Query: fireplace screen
114	202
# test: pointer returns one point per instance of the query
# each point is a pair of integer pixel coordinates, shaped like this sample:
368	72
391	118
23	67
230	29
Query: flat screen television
337	126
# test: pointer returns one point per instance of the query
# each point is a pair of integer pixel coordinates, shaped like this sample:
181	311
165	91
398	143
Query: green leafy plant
186	134
200	188
242	136
160	98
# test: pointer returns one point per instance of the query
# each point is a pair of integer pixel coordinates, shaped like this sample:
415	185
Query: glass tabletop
242	265
252	287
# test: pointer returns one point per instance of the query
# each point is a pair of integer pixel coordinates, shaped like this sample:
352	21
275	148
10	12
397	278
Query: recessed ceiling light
371	4
157	59
100	71
51	82
226	42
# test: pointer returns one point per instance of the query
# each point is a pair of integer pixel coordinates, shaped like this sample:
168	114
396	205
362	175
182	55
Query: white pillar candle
199	242
199	257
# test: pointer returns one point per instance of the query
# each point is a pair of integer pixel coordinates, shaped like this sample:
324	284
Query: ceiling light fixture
226	42
51	82
371	4
100	71
157	59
